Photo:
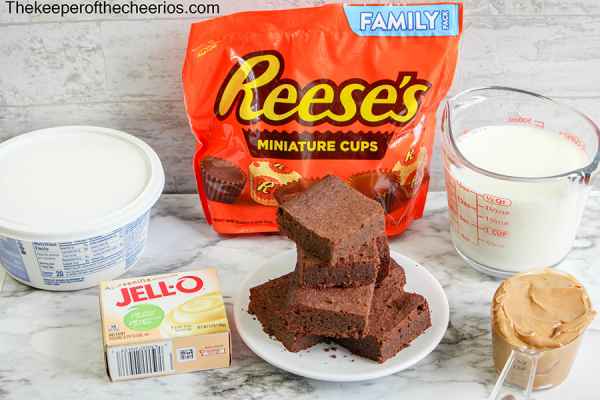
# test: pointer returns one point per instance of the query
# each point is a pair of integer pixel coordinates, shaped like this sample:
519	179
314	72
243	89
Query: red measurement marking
495	210
493	220
477	219
457	207
460	204
463	187
493	244
573	138
465	238
497	201
463	202
520	119
500	233
467	222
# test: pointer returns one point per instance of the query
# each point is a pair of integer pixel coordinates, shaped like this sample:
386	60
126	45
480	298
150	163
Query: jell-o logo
156	290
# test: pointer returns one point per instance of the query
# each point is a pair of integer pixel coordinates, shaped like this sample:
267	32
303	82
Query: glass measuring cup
503	224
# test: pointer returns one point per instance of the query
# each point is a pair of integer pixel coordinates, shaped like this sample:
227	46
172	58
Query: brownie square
396	319
332	312
330	219
356	269
268	302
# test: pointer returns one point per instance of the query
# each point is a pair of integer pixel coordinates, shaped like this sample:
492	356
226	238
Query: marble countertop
50	343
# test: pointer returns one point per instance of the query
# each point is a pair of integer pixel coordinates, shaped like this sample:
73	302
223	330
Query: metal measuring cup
523	365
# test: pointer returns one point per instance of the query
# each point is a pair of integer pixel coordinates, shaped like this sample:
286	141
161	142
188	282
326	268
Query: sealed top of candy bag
279	99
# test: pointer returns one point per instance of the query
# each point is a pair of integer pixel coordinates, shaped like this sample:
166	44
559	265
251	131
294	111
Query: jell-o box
164	324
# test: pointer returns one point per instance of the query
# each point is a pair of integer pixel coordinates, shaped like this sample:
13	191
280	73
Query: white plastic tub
75	205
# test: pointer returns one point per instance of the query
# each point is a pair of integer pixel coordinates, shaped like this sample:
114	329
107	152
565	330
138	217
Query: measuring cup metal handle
521	362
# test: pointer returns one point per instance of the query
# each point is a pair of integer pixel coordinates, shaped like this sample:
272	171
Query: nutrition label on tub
71	262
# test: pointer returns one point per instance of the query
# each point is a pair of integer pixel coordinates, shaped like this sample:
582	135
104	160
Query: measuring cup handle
525	362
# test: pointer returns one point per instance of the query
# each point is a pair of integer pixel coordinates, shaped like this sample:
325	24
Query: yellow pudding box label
164	324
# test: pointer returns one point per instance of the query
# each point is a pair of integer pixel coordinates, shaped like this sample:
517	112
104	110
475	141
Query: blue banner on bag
408	20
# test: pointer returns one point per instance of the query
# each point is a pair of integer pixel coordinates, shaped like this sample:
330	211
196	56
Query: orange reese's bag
278	99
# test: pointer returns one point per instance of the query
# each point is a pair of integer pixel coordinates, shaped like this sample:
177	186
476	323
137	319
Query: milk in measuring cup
511	225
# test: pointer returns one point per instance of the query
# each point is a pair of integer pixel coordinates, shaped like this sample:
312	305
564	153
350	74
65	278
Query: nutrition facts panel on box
479	219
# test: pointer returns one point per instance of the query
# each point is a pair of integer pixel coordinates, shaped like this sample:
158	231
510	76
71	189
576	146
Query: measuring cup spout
445	118
449	108
446	125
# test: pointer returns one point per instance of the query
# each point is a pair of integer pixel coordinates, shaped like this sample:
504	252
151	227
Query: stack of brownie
345	286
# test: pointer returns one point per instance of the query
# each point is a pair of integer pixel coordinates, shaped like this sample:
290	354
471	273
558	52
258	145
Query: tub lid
75	182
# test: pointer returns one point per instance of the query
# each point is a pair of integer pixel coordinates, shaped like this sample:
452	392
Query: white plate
316	363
